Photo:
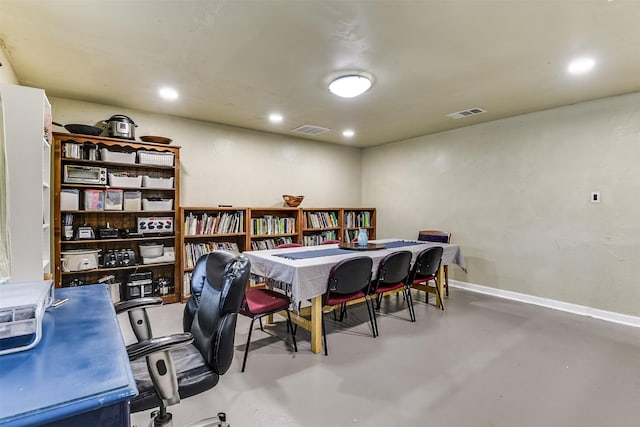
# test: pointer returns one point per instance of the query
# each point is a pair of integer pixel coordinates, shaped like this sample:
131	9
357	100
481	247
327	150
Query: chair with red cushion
425	270
392	275
288	245
261	302
349	280
330	242
438	237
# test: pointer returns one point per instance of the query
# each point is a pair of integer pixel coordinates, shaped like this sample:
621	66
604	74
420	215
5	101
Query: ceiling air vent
310	130
466	113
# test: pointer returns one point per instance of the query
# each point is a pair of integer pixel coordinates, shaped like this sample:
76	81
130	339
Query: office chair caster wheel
158	419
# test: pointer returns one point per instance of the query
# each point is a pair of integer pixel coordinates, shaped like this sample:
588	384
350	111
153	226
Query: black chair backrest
434	236
394	267
427	263
350	275
214	322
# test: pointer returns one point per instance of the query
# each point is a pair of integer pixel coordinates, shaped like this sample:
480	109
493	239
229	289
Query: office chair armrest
154	345
131	304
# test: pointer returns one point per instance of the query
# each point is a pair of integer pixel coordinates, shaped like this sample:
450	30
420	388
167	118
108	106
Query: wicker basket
292	201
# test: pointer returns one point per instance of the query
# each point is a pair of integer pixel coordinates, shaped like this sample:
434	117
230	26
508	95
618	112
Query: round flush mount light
168	93
275	118
581	65
348	133
350	85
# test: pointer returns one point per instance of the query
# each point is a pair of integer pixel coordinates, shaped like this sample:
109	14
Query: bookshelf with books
207	229
320	225
355	219
270	227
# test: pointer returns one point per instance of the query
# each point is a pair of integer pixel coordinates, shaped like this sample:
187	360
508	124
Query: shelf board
268	236
116	212
122	165
130	267
114	187
320	229
204	236
130	239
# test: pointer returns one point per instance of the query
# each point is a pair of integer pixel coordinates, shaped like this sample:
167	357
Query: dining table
302	272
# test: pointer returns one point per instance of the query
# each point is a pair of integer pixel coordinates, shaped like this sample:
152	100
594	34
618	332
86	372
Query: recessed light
581	65
168	93
350	86
348	133
275	118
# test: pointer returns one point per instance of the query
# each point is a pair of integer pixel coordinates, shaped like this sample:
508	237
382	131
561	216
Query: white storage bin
125	181
94	200
155	158
150	182
132	201
113	200
69	199
117	156
157	205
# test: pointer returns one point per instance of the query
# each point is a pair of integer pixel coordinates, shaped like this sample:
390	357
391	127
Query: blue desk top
80	364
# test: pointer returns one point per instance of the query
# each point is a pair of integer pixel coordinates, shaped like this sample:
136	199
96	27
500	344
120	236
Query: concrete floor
484	362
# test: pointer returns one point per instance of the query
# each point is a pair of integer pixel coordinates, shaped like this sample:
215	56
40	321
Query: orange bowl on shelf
292	201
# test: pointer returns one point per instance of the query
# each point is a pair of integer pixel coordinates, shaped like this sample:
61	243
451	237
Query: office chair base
158	419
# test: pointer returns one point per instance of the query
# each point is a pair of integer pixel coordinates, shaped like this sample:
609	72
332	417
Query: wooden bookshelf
207	229
321	224
269	227
355	219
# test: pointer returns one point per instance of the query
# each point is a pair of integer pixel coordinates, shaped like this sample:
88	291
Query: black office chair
169	368
438	236
349	280
425	270
392	275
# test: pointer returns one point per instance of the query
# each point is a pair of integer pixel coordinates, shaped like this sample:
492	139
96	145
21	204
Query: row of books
357	219
351	235
272	225
257	245
218	223
316	239
193	251
322	219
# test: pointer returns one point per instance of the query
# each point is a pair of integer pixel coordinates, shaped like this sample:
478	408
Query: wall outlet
595	197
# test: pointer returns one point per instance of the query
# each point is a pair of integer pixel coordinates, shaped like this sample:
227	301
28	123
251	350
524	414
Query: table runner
337	251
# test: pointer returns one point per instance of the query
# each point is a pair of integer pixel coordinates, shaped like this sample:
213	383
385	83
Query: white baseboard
609	316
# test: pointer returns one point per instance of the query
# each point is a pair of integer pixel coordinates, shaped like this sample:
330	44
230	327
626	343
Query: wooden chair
438	237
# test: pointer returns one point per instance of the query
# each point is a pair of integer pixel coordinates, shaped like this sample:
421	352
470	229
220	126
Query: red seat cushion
261	301
386	287
423	279
335	299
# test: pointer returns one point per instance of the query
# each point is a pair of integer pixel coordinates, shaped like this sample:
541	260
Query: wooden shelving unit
269	227
119	219
355	219
321	224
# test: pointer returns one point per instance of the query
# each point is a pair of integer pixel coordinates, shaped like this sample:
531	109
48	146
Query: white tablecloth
306	278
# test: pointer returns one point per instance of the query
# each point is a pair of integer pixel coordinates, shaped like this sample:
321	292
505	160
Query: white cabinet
26	135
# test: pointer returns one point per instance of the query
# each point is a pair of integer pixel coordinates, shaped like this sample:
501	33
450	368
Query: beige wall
228	165
7	75
515	193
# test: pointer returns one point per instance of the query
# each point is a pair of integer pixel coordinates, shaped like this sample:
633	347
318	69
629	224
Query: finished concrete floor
484	362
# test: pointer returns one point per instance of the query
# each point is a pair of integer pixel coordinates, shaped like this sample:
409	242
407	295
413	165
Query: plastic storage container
132	201
157	205
94	200
113	200
125	181
155	158
117	156
69	199
150	182
151	250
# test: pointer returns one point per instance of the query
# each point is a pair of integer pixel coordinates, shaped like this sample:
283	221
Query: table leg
316	324
440	282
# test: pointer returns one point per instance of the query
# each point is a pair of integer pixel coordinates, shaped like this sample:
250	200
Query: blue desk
78	375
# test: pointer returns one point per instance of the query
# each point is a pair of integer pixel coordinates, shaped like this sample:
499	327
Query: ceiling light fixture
348	133
581	65
275	118
350	86
168	93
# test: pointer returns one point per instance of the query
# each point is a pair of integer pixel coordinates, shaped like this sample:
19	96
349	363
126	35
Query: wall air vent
466	113
310	130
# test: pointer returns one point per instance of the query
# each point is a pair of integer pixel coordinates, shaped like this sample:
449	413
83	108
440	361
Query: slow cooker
121	126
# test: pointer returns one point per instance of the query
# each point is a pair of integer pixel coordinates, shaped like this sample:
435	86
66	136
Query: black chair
261	302
438	236
349	280
169	368
425	270
392	275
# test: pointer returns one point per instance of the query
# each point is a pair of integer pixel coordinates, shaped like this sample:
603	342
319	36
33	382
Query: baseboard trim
582	310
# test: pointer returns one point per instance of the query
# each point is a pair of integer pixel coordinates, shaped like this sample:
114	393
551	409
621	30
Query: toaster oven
76	174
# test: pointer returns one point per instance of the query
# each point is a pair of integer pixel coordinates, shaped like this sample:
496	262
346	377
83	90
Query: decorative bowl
292	201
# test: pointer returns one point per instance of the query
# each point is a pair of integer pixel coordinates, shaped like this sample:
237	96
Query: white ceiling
236	61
